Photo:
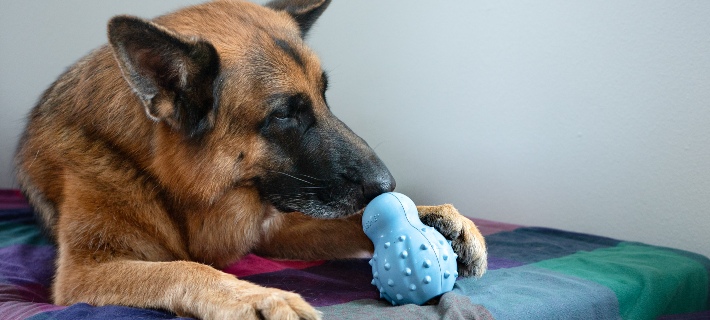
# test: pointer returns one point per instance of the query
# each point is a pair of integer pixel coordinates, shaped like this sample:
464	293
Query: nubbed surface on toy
412	262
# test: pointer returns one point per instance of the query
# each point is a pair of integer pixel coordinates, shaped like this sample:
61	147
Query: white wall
591	116
38	41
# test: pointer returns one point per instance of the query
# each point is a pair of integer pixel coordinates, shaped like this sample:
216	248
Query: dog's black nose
383	182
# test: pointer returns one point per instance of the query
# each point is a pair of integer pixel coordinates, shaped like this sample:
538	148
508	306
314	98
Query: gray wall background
592	116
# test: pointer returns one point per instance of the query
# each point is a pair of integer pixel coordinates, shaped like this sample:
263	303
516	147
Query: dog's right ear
305	12
173	76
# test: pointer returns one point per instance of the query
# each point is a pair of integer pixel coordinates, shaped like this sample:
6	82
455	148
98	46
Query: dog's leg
117	245
465	238
187	288
303	237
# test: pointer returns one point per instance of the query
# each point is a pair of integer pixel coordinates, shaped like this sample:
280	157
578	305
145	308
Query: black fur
320	168
305	12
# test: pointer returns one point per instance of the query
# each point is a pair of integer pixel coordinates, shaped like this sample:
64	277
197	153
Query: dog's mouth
318	198
318	209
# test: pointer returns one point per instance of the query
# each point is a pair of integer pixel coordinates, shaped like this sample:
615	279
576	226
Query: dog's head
239	100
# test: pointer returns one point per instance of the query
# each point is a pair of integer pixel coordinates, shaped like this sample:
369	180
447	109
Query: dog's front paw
465	238
258	302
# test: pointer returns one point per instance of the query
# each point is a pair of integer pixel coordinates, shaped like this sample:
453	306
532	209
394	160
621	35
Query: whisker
378	145
307	176
290	195
292	176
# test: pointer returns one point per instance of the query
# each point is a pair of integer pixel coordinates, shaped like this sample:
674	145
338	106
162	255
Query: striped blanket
535	273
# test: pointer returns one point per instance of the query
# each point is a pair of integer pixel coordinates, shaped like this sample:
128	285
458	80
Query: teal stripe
529	292
18	233
450	306
648	281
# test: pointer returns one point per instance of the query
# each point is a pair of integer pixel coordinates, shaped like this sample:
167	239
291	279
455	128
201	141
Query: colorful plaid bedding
535	273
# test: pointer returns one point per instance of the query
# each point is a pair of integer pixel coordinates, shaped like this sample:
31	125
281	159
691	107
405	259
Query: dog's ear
172	75
305	12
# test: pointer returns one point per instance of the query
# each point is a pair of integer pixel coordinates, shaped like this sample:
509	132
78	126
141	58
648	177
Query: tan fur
144	218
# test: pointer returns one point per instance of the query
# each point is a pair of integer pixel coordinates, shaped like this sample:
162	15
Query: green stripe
648	281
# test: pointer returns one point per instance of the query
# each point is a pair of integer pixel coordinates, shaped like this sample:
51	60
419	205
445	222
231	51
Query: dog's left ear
305	12
173	75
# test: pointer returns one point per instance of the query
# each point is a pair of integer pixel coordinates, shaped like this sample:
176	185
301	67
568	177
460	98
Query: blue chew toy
412	262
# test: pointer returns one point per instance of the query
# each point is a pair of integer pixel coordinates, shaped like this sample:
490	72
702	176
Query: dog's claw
266	303
465	238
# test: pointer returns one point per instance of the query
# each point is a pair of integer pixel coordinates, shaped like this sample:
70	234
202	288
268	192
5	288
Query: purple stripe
488	227
495	263
14	310
27	264
332	283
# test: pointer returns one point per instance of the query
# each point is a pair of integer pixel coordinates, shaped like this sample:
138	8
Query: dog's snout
383	182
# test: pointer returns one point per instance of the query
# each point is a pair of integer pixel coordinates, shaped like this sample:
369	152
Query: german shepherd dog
191	140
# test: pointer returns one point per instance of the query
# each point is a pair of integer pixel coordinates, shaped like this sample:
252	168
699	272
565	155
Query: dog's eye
290	109
282	115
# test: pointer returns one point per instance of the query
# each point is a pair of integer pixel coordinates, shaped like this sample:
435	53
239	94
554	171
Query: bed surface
534	273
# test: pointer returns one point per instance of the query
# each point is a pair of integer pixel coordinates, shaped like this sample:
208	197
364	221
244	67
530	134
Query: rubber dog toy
412	262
